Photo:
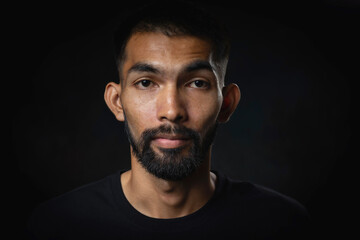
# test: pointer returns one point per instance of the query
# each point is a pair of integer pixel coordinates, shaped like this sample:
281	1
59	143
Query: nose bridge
170	104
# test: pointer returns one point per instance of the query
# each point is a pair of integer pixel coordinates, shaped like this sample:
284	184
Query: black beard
170	164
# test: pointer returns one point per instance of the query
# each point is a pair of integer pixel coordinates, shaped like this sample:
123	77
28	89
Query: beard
171	164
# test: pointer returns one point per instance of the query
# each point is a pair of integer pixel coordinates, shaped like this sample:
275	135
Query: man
171	96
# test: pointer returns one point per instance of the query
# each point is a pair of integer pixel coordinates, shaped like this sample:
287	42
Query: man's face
171	98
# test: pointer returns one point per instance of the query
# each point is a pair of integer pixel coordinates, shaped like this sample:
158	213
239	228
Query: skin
168	93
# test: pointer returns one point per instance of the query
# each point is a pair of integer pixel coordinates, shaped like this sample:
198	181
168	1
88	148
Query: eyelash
141	81
207	84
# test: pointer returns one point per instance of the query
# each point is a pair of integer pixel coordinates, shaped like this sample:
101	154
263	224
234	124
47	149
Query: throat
171	200
165	199
173	195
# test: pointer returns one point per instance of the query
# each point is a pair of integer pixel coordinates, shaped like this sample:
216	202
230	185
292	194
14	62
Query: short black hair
174	18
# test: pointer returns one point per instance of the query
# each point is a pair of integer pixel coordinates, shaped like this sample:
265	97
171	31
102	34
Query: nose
171	105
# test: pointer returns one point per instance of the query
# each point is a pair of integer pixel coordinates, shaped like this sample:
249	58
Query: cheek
205	111
140	113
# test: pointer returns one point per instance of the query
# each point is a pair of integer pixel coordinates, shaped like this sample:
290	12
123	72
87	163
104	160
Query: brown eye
143	84
199	84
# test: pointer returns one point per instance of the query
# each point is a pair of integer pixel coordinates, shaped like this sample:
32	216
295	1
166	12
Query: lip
170	141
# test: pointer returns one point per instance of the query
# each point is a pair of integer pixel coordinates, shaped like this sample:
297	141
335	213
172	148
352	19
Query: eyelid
137	83
207	83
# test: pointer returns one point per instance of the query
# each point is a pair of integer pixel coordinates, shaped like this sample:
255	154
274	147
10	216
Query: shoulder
86	194
73	207
260	196
263	209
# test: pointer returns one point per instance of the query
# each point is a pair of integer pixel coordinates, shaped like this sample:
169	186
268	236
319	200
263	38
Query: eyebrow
143	67
198	65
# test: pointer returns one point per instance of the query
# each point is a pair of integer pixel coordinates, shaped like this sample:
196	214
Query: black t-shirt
237	210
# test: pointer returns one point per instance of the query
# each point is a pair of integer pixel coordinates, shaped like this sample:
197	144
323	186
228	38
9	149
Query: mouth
170	141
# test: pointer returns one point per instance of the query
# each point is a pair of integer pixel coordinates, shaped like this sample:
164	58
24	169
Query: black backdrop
293	131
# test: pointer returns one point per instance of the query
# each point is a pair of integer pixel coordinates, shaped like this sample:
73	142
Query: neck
159	198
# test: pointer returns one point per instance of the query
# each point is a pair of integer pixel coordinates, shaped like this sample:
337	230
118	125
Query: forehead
169	52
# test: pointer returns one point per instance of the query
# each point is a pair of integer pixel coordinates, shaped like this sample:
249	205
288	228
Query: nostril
178	118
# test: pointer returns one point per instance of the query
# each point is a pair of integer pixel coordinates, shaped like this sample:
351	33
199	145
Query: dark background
295	63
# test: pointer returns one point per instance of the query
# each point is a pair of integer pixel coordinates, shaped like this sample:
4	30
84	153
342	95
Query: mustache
151	133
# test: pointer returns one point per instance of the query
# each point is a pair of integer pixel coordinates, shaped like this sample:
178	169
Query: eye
199	84
143	84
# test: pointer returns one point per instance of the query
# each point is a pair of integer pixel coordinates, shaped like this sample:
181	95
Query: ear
231	98
112	99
